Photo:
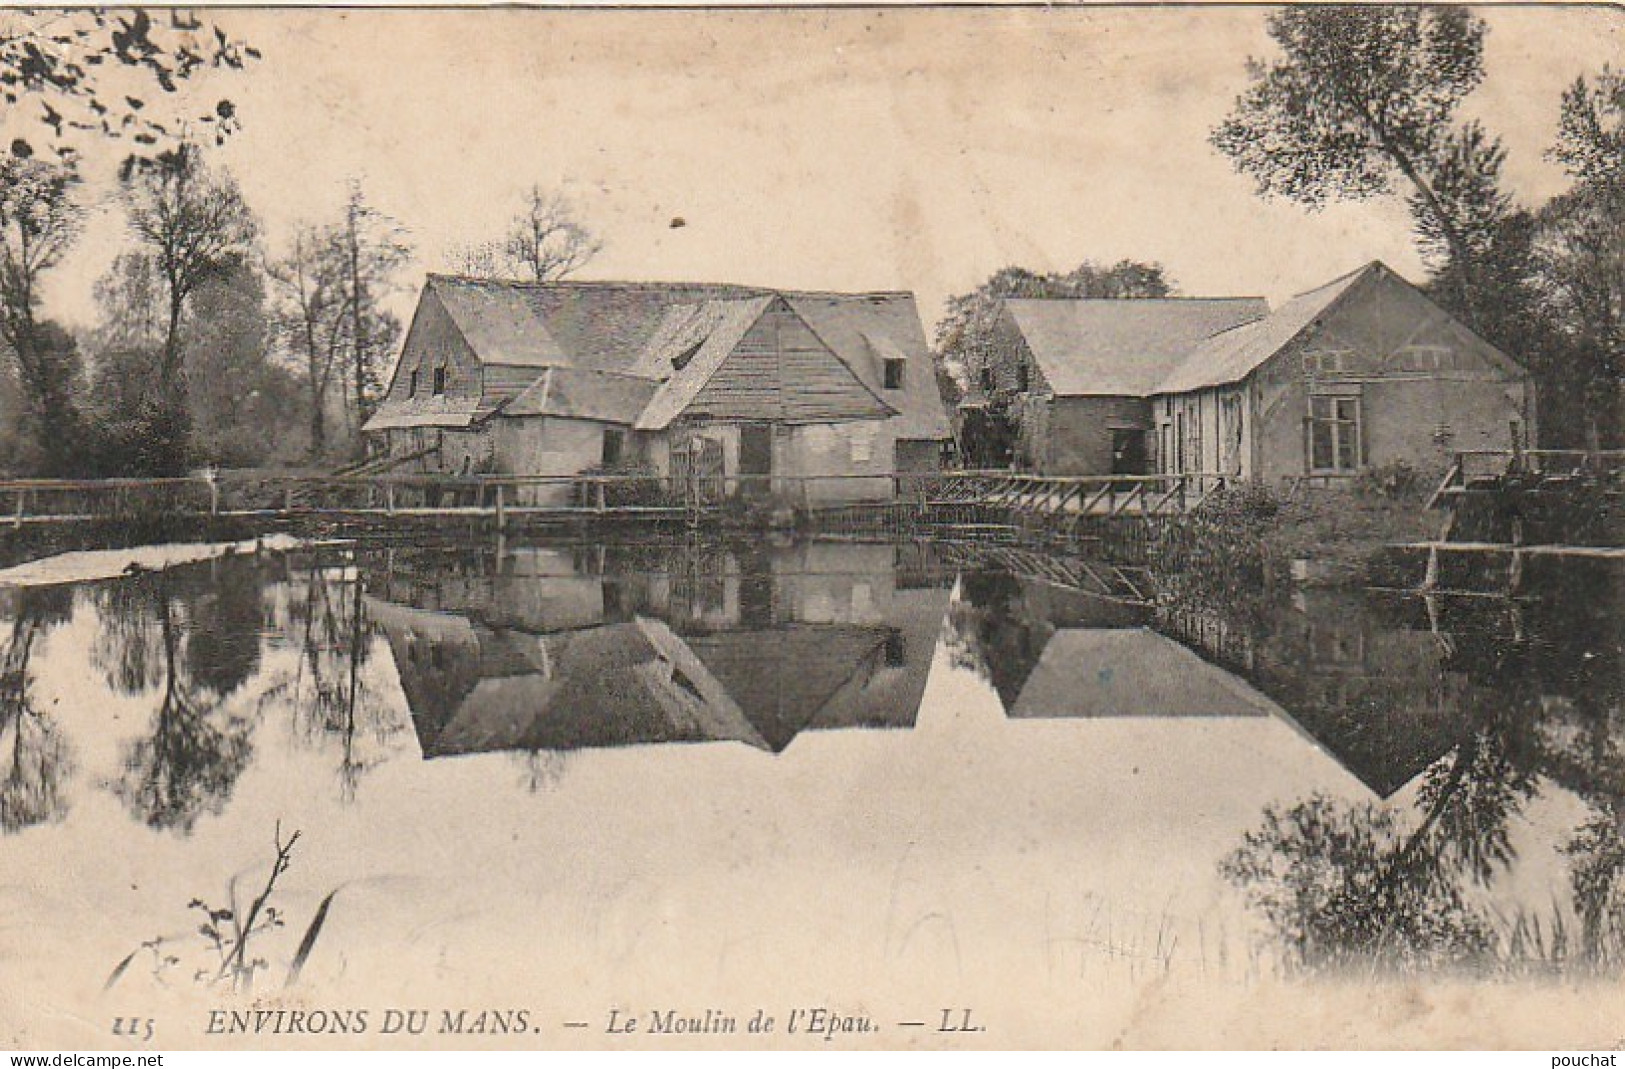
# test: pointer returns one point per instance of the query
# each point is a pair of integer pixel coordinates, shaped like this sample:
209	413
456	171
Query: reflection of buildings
563	649
1131	671
1378	698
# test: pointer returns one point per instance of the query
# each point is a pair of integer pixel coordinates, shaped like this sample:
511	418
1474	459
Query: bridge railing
247	492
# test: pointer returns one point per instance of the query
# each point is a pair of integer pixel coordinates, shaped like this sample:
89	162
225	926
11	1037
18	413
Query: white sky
836	149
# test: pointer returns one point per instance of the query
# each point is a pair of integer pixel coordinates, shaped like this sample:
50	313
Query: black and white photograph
812	528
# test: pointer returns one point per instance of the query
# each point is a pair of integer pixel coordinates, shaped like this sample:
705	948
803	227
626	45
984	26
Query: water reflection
199	742
1459	801
1459	716
35	755
548	649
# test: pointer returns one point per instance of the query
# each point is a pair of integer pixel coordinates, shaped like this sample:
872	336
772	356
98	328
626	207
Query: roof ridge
1346	276
746	289
1172	299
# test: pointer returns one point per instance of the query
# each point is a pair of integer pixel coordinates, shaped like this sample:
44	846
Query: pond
886	780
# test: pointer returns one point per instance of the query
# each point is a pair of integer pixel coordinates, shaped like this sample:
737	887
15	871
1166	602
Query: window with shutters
1334	433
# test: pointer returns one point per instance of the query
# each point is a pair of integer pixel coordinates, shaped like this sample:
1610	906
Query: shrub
1395	481
636	485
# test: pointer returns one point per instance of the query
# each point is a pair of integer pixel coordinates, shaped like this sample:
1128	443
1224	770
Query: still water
576	776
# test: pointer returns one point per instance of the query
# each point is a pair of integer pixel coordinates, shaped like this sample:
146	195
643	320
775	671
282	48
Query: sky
843	149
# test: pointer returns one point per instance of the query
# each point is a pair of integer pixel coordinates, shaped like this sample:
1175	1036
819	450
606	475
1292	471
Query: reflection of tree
542	769
226	617
196	750
1344	884
1347	884
39	759
990	632
333	696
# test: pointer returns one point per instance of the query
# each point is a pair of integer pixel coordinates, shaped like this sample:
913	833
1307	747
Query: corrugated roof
1089	346
1232	355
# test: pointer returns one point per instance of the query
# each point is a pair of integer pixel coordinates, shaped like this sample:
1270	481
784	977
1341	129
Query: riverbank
1316	537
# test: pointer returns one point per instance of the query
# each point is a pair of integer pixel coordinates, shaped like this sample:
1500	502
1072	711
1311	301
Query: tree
544	242
59	59
39	222
1580	247
313	315
196	226
1363	98
241	400
374	251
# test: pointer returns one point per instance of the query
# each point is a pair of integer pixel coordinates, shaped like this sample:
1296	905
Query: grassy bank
1252	535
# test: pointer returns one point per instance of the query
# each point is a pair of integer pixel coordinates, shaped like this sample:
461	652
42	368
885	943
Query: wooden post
500	516
22	496
287	498
599	483
389	498
214	498
1430	579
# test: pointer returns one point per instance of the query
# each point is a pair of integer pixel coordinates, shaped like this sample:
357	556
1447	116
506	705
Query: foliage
634	484
92	71
330	287
1362	96
964	337
196	226
1396	480
544	242
40	219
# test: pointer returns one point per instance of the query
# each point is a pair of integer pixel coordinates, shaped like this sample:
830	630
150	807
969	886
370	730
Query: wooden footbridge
397	500
1510	513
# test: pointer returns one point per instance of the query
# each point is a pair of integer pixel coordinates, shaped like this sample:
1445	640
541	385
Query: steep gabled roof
594	326
862	330
699	337
1234	354
1089	346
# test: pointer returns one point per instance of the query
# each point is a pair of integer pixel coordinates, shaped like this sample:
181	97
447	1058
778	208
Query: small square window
894	374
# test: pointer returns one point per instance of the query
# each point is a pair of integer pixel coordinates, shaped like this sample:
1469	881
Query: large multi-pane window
1334	433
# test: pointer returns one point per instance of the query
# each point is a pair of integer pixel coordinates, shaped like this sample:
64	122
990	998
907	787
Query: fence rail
28	501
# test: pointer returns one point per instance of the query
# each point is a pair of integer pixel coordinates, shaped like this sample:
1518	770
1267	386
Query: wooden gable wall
432	341
780	371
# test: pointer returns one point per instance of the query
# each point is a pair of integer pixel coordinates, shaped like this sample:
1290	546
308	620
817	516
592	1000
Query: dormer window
412	384
1023	378
439	381
894	373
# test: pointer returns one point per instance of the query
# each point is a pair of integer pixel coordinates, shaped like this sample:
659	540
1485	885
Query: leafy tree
92	72
1580	247
544	242
39	221
374	251
313	315
196	226
965	334
1364	99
